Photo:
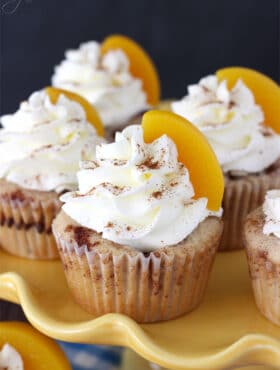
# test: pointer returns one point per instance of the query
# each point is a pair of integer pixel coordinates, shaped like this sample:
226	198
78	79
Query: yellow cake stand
225	332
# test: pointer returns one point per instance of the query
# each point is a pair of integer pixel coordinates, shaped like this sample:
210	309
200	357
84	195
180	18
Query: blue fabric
89	357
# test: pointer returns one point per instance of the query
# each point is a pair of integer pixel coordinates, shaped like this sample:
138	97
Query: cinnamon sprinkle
119	162
149	163
205	89
114	189
82	235
157	194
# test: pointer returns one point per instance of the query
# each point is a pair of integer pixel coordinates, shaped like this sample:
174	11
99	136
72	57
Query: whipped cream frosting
104	80
271	210
42	143
137	194
10	359
233	124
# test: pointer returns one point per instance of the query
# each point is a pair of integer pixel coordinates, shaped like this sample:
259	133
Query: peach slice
91	113
265	90
37	351
141	65
193	151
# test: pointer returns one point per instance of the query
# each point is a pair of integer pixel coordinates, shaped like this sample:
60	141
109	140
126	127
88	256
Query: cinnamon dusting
157	194
149	163
82	235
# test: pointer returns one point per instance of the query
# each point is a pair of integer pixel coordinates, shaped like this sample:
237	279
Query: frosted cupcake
262	242
40	149
137	238
237	119
116	76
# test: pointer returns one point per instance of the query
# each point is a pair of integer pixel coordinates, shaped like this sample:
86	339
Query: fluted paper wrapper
240	198
25	229
265	276
28	243
146	288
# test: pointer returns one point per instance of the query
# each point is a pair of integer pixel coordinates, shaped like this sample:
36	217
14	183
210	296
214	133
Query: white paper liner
240	198
28	243
25	228
146	288
265	276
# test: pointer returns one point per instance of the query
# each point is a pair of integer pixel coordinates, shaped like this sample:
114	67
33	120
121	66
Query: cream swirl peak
271	210
233	124
10	359
104	80
136	194
42	143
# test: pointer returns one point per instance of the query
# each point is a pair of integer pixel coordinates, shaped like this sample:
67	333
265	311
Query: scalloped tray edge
116	329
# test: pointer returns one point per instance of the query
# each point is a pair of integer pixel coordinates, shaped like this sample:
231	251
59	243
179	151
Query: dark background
187	39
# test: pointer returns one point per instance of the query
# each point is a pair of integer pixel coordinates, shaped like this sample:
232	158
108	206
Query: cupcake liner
242	196
265	276
25	222
160	286
28	243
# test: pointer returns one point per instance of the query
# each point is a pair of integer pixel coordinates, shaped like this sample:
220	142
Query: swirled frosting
10	359
271	210
136	194
233	124
104	80
42	143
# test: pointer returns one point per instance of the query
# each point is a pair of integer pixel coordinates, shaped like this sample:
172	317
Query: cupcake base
105	277
28	243
242	196
263	254
25	221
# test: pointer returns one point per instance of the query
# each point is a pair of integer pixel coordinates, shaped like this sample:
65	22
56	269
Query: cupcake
40	149
241	123
116	76
262	243
140	235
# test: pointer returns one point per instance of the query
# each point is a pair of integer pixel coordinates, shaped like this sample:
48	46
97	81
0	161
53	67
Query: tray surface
226	330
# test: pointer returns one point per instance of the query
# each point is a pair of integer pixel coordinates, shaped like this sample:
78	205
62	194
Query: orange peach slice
91	113
265	90
193	151
37	351
141	65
